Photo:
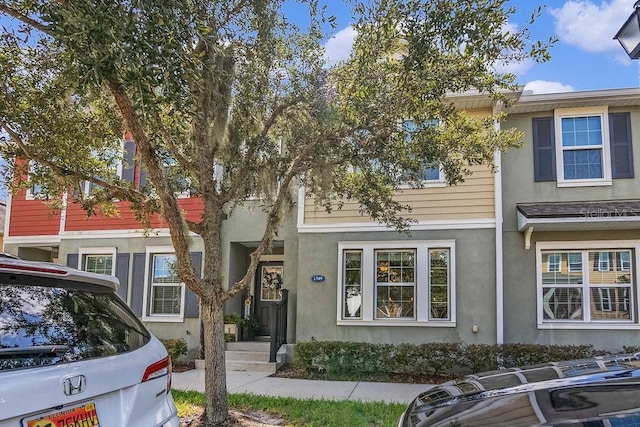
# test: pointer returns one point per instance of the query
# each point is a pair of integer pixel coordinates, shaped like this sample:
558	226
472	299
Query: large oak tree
235	85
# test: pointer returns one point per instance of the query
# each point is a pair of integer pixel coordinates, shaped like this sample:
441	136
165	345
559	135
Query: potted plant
250	325
231	323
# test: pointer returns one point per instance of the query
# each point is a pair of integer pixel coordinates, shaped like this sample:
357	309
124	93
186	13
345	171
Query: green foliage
250	322
338	359
232	319
175	347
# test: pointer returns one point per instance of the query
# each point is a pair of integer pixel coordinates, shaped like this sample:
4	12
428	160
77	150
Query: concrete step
243	365
257	346
256	356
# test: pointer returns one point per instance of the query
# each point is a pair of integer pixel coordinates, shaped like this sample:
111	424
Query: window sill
593	325
414	323
585	183
163	319
424	184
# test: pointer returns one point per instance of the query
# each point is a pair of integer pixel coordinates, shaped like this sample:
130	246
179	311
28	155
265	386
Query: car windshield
42	325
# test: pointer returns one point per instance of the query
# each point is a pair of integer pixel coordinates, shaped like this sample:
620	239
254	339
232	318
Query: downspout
499	250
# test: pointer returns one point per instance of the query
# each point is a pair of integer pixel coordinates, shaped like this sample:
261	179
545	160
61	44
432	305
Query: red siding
77	219
32	217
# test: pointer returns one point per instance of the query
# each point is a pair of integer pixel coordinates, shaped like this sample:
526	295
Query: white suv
73	354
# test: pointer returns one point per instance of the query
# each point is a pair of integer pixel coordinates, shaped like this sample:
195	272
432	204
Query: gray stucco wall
475	290
520	299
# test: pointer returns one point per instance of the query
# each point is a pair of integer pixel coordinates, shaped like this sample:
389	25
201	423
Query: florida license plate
78	416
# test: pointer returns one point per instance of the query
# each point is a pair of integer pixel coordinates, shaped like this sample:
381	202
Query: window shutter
128	165
122	273
72	260
544	149
621	145
191	301
137	283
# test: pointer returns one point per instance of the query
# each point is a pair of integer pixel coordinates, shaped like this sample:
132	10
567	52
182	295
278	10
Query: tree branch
169	204
24	18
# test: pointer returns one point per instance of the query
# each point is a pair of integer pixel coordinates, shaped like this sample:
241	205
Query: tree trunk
215	374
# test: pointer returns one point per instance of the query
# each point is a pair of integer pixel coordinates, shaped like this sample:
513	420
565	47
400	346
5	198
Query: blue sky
585	58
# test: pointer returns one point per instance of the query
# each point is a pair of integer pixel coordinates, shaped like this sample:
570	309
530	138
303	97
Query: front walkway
260	383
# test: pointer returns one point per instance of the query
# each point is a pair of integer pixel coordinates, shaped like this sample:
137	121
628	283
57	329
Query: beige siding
469	200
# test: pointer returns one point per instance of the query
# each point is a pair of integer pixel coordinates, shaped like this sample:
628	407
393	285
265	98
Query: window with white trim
599	288
35	190
113	160
396	283
429	176
97	260
582	148
166	289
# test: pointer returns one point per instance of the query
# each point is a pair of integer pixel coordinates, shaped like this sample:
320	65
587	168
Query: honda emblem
74	385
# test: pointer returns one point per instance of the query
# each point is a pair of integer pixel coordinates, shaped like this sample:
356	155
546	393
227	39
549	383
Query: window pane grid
166	287
439	284
603	276
582	147
100	264
352	271
395	284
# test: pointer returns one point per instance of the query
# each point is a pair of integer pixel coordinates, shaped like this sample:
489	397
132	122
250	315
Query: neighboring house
571	203
502	257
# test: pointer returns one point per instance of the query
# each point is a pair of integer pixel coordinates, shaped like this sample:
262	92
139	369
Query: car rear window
42	325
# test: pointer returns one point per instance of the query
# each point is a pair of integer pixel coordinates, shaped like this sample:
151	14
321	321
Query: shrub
339	358
175	347
232	319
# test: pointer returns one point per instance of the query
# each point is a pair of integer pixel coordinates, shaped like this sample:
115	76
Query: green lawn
305	412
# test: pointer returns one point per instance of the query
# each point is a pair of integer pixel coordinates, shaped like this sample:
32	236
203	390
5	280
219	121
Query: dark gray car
592	392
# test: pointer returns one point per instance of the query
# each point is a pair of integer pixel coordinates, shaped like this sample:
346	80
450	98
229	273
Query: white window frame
572	270
146	309
429	183
604	261
601	112
84	252
32	195
633	245
557	262
86	185
421	312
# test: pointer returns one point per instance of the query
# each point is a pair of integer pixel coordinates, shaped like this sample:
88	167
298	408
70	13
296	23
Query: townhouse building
544	250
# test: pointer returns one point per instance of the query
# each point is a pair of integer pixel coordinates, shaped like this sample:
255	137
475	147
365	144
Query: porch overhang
579	216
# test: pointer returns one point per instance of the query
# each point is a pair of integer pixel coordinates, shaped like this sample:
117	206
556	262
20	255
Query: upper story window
583	147
583	153
397	283
35	190
428	176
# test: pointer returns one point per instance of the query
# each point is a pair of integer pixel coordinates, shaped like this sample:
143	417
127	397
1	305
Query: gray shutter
72	260
128	166
621	145
143	177
544	149
122	273
137	283
191	301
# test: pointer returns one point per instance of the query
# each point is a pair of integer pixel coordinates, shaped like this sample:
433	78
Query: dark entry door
268	285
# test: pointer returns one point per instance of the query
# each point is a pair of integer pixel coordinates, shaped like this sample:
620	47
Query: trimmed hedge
340	358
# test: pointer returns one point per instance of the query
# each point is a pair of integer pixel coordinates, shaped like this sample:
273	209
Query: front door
269	282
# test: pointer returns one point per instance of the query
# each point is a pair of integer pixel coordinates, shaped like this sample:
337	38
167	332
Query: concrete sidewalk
260	383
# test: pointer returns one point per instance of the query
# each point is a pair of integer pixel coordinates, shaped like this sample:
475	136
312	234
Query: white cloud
542	86
590	26
338	47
